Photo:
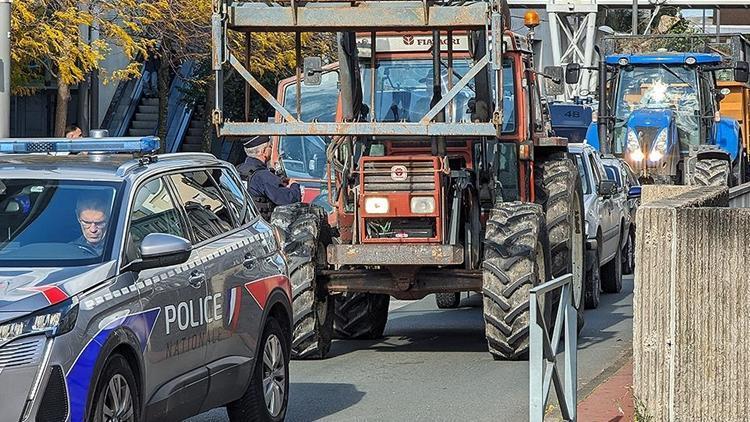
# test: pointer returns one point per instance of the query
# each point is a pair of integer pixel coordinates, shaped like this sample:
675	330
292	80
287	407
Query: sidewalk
610	401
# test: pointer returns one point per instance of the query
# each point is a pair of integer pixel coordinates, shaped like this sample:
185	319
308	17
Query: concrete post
692	307
5	68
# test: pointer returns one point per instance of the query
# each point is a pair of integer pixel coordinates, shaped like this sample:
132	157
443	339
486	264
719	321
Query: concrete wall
691	344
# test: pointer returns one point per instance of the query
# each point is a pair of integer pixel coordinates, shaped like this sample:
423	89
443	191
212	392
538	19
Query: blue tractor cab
659	108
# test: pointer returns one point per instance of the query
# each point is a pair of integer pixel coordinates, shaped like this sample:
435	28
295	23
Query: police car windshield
56	223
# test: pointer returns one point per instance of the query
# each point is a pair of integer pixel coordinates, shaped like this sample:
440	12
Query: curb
592	392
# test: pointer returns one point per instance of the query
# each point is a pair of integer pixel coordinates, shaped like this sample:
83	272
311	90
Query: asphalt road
433	366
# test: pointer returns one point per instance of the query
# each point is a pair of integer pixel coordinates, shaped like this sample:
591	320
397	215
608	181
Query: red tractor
437	184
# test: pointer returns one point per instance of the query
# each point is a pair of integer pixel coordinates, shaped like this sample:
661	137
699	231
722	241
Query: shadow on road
613	309
314	401
411	329
455	330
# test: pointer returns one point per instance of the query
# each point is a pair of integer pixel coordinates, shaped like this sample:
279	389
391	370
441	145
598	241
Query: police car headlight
53	321
377	205
422	205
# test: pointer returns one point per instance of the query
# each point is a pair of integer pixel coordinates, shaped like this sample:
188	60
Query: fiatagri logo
423	41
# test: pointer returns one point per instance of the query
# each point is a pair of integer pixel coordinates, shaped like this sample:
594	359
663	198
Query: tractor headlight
422	205
659	148
661	141
54	321
377	205
634	147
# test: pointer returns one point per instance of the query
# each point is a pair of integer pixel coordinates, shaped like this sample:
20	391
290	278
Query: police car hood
25	290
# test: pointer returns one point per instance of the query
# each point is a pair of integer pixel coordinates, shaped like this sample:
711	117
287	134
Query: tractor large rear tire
558	190
305	235
360	315
712	172
514	261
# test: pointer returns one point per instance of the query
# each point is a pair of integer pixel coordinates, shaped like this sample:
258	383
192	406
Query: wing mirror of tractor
607	188
553	78
634	192
572	73
742	72
313	67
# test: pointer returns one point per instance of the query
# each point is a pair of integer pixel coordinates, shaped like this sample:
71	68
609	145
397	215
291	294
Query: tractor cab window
304	157
403	91
649	98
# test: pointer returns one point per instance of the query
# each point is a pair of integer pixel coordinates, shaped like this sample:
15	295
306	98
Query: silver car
606	225
136	287
629	194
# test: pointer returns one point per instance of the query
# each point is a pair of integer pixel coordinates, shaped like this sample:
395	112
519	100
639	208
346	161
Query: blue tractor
659	109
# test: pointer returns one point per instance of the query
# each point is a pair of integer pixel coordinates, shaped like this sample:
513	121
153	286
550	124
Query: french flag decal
234	300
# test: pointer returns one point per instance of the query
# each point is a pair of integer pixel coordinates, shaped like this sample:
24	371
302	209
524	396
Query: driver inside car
92	217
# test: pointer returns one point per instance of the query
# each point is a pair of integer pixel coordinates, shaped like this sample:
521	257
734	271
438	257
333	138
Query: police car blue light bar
129	145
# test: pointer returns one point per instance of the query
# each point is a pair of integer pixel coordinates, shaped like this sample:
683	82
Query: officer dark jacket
263	184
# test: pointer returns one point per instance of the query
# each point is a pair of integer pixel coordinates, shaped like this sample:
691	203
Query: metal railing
543	350
739	196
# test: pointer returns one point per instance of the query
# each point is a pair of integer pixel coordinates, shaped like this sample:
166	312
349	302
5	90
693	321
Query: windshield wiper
673	73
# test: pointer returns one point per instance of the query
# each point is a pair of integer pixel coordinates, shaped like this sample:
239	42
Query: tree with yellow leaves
46	37
184	34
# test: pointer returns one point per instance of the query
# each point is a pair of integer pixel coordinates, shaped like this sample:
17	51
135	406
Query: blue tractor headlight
659	148
634	146
145	145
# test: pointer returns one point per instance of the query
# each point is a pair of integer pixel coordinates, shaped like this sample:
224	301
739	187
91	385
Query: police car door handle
197	278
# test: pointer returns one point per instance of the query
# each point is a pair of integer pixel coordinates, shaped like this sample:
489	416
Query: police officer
267	189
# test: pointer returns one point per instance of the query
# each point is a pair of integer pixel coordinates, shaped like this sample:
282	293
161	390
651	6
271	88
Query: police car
136	286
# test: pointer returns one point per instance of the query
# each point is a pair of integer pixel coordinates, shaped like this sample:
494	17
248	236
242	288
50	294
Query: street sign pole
4	68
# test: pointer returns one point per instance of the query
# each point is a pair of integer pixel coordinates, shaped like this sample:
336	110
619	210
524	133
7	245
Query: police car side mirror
160	250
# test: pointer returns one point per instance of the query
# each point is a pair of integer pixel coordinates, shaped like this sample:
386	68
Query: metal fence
543	350
739	196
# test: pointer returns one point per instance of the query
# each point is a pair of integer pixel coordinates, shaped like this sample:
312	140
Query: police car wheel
116	396
267	395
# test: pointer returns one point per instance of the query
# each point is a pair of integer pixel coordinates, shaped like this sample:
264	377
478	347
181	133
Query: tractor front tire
559	192
515	260
711	172
304	232
360	315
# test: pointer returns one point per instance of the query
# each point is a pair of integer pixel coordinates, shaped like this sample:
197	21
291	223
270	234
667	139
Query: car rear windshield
60	223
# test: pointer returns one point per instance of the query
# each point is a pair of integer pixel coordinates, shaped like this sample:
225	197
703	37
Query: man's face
93	225
265	155
74	134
